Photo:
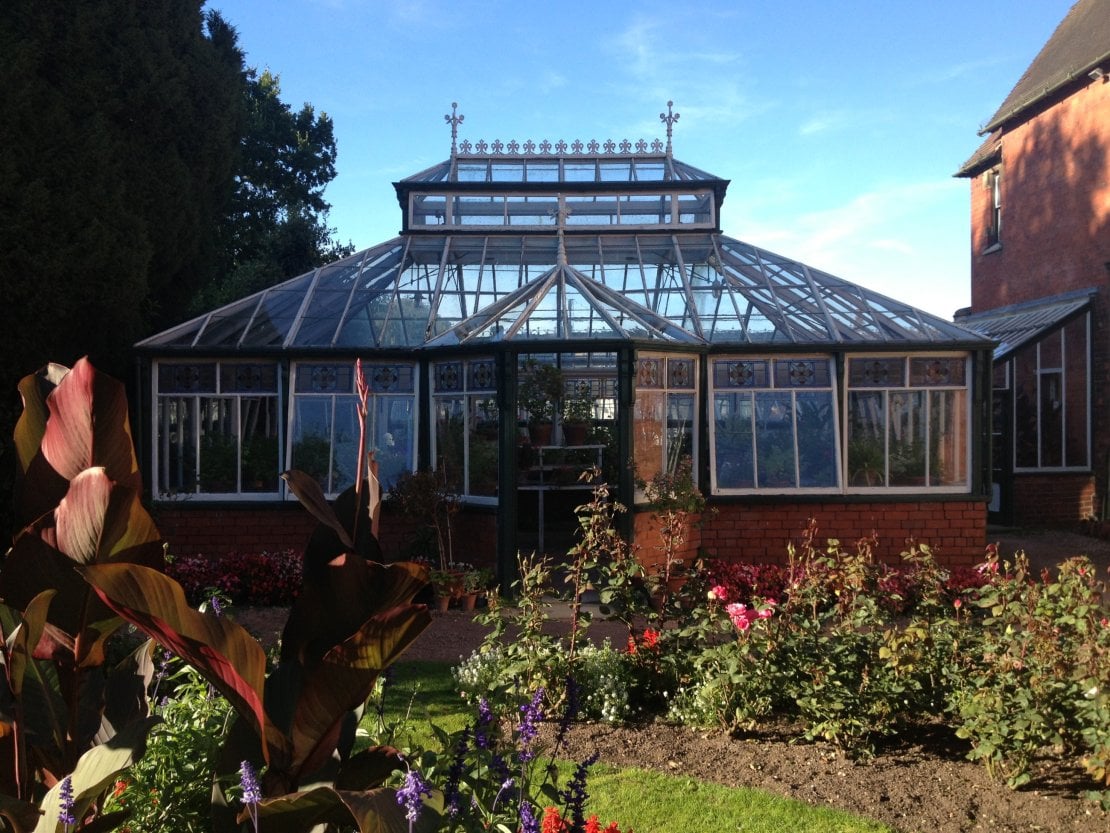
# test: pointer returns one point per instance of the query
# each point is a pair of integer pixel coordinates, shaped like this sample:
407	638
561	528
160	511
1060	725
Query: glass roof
432	290
1018	324
562	169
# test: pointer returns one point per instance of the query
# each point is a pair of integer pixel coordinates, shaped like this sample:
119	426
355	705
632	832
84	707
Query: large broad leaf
336	601
88	426
125	699
38	487
345	679
95	770
223	652
21	815
311	496
369	768
374	811
21	638
97	520
29	429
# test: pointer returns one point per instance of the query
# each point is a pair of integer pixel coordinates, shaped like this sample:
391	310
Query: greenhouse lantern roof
590	242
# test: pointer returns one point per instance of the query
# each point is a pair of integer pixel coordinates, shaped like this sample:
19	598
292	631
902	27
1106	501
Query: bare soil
922	783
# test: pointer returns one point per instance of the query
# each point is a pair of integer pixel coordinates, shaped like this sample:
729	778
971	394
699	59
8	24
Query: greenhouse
551	307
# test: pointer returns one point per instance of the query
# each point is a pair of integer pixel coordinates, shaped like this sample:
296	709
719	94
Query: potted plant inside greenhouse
578	415
541	390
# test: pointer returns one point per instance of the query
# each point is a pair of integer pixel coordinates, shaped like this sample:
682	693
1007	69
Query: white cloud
905	240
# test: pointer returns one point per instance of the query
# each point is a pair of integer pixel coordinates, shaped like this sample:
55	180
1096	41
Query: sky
839	124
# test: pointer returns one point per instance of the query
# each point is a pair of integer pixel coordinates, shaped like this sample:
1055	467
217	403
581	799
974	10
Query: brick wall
214	531
956	531
1054	500
1055	238
194	529
1055	204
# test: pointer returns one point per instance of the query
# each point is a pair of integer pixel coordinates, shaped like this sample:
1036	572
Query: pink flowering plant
1033	675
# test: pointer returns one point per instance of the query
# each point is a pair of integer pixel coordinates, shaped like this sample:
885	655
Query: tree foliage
146	172
276	224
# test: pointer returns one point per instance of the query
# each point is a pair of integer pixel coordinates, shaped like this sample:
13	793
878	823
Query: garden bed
922	785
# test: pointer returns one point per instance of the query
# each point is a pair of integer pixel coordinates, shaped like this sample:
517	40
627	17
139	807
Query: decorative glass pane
481	375
325	378
448	376
187	378
680	373
246	378
649	373
740	374
798	373
938	372
876	373
389	378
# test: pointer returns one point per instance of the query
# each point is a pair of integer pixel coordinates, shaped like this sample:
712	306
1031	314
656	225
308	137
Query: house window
665	416
774	424
908	422
325	429
1051	400
464	397
994	220
218	431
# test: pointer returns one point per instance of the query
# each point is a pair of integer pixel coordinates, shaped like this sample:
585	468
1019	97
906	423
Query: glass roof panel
439	289
276	314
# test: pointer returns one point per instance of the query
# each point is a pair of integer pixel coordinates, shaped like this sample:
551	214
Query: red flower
552	821
651	638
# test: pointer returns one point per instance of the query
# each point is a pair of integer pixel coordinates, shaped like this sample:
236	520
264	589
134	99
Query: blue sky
839	124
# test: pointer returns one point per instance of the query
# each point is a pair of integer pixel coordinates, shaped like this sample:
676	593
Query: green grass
646	801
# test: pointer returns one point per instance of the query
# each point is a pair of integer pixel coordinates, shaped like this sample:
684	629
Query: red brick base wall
1054	500
956	531
217	531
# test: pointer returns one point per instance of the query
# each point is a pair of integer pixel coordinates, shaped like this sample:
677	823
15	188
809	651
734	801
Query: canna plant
89	559
66	713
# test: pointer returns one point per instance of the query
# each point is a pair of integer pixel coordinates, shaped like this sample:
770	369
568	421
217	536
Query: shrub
1033	675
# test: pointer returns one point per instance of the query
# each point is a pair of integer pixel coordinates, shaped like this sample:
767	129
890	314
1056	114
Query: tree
277	223
120	133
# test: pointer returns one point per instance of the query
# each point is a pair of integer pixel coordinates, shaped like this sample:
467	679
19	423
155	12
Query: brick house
1040	271
793	393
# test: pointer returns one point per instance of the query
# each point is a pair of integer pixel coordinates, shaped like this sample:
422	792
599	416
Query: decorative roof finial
669	119
454	120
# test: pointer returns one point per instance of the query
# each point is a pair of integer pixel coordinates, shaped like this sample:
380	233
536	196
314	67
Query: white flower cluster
605	682
478	673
